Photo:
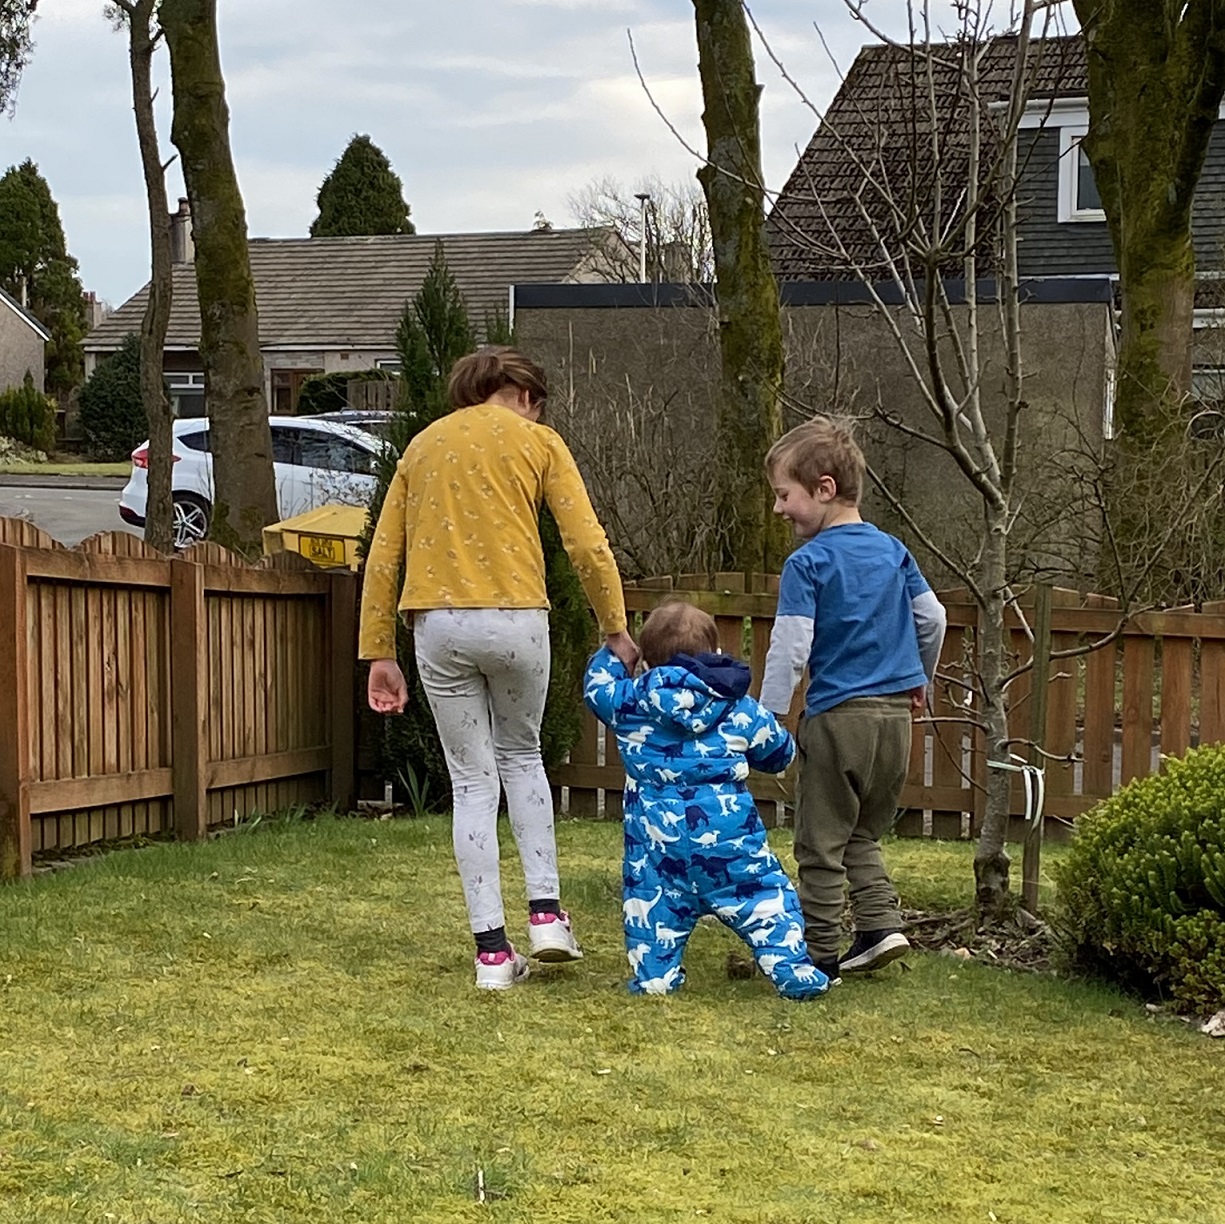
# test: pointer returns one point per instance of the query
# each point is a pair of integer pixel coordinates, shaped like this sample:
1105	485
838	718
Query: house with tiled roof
828	219
22	345
333	304
833	222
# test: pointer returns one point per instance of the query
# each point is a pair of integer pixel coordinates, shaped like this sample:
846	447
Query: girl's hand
386	689
624	647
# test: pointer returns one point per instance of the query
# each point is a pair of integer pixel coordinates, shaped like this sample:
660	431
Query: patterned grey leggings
486	673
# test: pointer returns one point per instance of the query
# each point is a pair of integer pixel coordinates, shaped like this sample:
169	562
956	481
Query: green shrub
112	416
28	416
572	638
1142	892
433	332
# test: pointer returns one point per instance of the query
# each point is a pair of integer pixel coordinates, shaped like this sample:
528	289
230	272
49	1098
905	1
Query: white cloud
488	109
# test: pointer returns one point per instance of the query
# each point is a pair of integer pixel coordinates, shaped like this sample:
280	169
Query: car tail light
140	457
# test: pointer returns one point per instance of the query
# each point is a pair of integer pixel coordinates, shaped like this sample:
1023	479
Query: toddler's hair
823	446
481	375
677	627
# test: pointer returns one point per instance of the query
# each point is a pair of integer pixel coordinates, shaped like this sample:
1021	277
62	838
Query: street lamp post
642	197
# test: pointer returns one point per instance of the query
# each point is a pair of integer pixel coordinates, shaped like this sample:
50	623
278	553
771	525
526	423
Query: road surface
66	514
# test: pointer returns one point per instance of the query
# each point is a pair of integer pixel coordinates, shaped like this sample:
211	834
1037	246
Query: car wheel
191	516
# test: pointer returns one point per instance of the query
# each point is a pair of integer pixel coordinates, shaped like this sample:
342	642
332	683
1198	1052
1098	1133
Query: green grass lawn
281	1026
67	468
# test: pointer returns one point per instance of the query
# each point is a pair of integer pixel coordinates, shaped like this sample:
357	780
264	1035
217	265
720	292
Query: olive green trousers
853	762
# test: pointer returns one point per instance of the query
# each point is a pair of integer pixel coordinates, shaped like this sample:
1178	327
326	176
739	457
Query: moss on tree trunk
1156	79
245	490
750	330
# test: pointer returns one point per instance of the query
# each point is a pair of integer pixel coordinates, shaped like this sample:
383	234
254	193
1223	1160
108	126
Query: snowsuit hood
696	692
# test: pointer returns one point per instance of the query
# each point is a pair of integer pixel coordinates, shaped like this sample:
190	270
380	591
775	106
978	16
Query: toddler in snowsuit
694	843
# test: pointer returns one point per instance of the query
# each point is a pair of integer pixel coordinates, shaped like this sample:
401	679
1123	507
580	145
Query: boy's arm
790	638
930	618
607	686
771	747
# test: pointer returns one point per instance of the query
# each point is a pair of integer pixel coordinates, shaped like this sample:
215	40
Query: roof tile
349	292
868	174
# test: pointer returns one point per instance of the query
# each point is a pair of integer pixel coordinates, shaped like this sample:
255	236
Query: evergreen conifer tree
362	195
35	267
434	332
112	412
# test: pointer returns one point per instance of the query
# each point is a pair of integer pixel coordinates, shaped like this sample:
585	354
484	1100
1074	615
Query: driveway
67	508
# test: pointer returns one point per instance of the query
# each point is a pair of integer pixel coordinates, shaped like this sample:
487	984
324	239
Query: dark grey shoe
830	969
872	949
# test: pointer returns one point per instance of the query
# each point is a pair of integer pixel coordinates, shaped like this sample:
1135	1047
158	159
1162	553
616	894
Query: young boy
694	842
855	610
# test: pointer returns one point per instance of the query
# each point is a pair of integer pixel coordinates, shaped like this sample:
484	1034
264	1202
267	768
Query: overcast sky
488	109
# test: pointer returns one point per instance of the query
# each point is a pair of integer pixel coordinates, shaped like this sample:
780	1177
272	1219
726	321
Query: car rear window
197	441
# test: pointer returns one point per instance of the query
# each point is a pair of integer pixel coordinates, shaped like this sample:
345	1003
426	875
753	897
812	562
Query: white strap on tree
1033	778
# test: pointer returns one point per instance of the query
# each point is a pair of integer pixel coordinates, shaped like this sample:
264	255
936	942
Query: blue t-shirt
856	585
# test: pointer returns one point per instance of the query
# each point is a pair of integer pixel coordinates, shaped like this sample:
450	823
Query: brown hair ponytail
481	375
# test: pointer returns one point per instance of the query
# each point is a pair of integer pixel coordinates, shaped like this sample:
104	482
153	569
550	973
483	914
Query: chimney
182	248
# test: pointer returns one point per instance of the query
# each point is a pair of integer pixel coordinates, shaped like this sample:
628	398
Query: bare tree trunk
159	507
1156	80
750	330
991	860
243	483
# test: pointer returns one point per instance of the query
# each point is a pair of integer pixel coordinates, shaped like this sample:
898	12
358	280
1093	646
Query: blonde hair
676	627
479	376
823	446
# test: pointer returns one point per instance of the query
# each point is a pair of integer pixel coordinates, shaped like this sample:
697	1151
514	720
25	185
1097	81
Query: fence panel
150	695
1100	707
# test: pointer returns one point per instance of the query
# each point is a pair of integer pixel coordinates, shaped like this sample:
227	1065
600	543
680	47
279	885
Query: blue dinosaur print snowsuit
694	843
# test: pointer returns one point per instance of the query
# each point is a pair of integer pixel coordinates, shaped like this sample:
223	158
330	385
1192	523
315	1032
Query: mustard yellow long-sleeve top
461	516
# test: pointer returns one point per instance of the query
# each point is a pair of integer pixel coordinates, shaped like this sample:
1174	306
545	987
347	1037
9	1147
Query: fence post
1031	855
342	634
15	840
189	699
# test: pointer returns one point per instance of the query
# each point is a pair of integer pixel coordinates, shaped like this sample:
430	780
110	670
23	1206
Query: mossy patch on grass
282	1026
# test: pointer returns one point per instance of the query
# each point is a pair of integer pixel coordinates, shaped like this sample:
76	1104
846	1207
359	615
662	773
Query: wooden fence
144	694
1112	713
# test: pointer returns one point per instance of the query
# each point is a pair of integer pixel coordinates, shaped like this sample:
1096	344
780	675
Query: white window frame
1070	137
178	381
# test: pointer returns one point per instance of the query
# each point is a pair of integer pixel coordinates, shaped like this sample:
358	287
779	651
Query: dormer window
1079	199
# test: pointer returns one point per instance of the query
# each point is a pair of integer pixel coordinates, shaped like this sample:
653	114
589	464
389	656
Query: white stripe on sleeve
790	646
929	622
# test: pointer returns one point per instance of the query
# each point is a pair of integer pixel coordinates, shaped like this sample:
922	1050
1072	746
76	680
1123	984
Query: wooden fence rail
1112	713
141	694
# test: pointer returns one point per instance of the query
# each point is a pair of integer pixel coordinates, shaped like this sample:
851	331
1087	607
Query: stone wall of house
633	391
300	362
21	349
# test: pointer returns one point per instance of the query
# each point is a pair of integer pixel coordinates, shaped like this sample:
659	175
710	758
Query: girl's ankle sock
492	941
545	905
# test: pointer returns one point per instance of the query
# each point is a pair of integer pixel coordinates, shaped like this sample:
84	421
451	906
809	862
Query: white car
315	462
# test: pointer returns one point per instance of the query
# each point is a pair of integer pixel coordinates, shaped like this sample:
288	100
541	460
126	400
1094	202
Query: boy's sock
545	905
492	941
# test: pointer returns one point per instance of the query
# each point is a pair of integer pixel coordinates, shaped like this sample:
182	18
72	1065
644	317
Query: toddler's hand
386	689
